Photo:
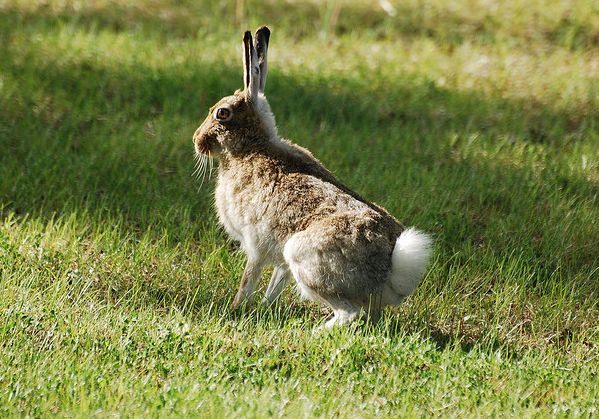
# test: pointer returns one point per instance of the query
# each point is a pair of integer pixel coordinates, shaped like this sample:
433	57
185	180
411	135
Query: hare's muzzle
202	140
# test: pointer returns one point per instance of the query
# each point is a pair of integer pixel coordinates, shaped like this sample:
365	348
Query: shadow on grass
115	141
458	337
444	341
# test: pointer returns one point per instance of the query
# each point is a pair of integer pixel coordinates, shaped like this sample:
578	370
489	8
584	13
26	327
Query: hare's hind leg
304	261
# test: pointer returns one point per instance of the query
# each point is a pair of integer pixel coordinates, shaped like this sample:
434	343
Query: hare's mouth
208	147
204	166
205	144
202	147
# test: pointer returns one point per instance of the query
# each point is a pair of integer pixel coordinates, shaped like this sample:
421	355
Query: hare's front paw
242	301
278	280
251	275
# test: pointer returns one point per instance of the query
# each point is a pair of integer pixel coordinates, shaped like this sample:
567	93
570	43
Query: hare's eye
223	114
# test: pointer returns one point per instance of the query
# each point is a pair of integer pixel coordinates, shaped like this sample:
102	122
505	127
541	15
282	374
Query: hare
287	210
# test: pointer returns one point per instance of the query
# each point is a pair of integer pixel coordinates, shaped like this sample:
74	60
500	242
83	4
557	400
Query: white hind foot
342	317
339	318
344	313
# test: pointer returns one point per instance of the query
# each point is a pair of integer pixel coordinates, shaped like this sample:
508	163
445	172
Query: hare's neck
239	167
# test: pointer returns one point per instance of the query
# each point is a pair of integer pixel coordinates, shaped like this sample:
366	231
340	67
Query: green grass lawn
476	122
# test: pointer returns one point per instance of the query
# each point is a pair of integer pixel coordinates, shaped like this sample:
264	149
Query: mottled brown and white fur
287	210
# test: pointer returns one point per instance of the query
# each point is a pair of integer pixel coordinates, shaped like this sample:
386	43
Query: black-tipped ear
251	69
262	38
247	42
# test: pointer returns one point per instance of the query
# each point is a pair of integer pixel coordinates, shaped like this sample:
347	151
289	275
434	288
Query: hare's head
241	122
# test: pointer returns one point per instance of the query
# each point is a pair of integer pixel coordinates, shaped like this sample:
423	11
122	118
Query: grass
476	123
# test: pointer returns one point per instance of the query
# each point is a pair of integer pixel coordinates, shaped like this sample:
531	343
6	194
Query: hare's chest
228	213
240	212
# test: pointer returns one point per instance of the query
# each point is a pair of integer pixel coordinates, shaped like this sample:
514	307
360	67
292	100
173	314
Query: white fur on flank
409	260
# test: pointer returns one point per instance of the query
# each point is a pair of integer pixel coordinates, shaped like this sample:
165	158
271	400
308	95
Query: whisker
204	167
202	173
196	166
211	163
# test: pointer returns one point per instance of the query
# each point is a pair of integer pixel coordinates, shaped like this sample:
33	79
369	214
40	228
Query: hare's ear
251	69
262	37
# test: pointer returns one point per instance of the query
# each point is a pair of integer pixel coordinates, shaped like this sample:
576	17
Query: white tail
409	260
